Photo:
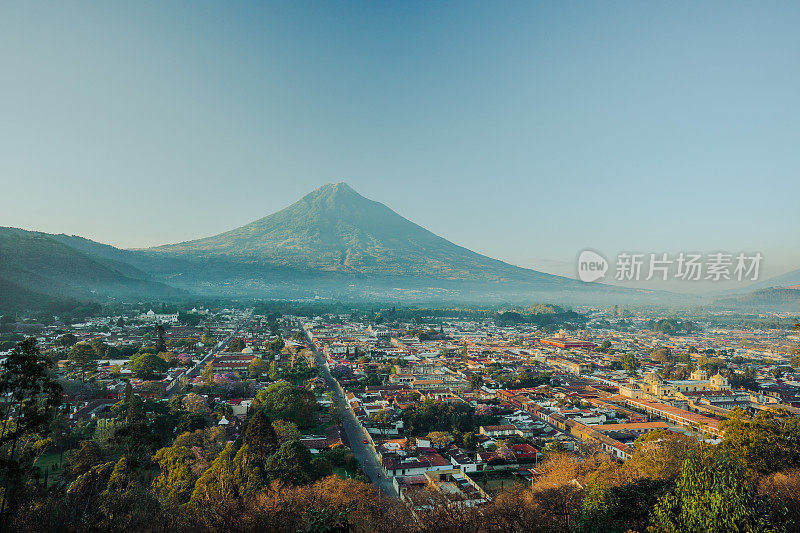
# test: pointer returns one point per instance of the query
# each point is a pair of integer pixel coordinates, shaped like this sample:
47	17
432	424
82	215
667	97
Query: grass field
497	482
51	463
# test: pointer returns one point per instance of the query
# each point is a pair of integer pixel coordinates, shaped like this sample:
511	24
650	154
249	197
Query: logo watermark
684	266
591	266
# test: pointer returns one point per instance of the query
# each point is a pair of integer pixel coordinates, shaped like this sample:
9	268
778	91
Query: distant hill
776	299
35	269
787	280
16	298
779	294
115	258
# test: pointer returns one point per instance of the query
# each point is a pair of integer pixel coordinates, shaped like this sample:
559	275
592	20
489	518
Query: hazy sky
526	131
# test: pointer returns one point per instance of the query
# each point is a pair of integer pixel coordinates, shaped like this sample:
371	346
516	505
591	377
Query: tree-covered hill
37	270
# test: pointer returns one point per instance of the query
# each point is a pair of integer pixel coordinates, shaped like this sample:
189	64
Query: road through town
198	367
354	433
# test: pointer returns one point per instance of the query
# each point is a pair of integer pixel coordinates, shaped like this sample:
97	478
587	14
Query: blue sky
526	131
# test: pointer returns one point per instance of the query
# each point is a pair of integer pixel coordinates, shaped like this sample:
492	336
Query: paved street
198	367
354	434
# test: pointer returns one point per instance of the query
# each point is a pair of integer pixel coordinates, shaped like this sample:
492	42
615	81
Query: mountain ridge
39	267
335	229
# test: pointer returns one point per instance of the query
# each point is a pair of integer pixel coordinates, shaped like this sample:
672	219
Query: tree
84	356
383	418
286	431
217	486
661	355
327	520
208	375
87	456
100	347
194	403
169	357
161	343
619	509
282	401
505	453
67	340
260	437
451	417
630	363
31	397
258	366
189	319
291	464
470	440
236	345
130	409
275	345
148	365
440	439
769	442
124	503
274	372
660	454
174	484
207	339
745	380
558	487
715	494
476	381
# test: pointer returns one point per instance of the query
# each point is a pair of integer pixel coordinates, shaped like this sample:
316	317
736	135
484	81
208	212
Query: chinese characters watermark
685	266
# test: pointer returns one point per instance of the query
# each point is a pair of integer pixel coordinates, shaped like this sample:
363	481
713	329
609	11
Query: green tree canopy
258	366
291	464
630	363
769	442
282	401
147	365
67	340
30	398
174	484
84	356
260	436
236	345
476	381
275	345
714	494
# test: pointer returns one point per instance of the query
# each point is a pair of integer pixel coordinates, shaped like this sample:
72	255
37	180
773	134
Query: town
461	405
